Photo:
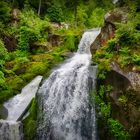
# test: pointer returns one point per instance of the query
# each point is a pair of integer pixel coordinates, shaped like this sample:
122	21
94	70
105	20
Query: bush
5	12
97	18
111	45
37	68
70	42
117	129
128	34
136	59
3	51
31	29
82	16
2	80
55	13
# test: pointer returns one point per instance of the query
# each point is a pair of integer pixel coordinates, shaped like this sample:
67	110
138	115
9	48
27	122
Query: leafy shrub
31	29
2	80
117	129
128	34
3	53
37	68
81	16
123	99
55	13
111	45
70	42
103	68
97	18
136	59
105	109
4	12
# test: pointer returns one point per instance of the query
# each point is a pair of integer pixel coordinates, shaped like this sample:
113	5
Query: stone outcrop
108	30
18	105
125	97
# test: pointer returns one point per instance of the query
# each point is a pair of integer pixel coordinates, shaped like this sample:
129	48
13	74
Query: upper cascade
87	39
63	99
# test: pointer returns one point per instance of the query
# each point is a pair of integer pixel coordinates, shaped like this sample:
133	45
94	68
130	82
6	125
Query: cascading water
65	111
11	128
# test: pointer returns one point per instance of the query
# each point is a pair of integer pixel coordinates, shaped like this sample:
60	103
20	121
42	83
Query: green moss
30	123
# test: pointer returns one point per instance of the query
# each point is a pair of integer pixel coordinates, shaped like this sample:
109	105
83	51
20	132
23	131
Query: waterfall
65	112
11	128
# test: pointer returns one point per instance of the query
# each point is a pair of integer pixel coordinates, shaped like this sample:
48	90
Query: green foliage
70	42
105	109
31	29
96	19
128	34
136	59
5	12
123	99
37	68
2	80
30	123
3	53
55	13
81	16
111	45
117	129
103	68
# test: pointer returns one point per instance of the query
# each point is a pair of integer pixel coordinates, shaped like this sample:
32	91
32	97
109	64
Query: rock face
17	105
132	77
108	31
125	97
3	112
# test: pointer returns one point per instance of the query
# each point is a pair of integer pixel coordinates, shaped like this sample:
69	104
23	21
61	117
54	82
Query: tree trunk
39	7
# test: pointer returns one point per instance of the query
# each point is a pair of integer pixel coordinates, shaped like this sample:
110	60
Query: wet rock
15	16
3	112
10	42
67	54
133	77
108	31
41	47
127	85
55	39
18	105
115	16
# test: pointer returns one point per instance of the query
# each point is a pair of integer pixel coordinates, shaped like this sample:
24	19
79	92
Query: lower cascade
65	110
11	128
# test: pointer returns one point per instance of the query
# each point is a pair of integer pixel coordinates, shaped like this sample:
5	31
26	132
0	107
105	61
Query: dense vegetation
123	49
37	34
29	37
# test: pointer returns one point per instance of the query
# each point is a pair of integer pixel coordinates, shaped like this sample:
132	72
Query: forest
37	35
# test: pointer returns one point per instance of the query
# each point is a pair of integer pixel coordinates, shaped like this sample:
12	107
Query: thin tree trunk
39	7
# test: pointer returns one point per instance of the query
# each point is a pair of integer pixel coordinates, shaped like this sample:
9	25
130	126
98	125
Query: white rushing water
17	105
65	110
10	129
